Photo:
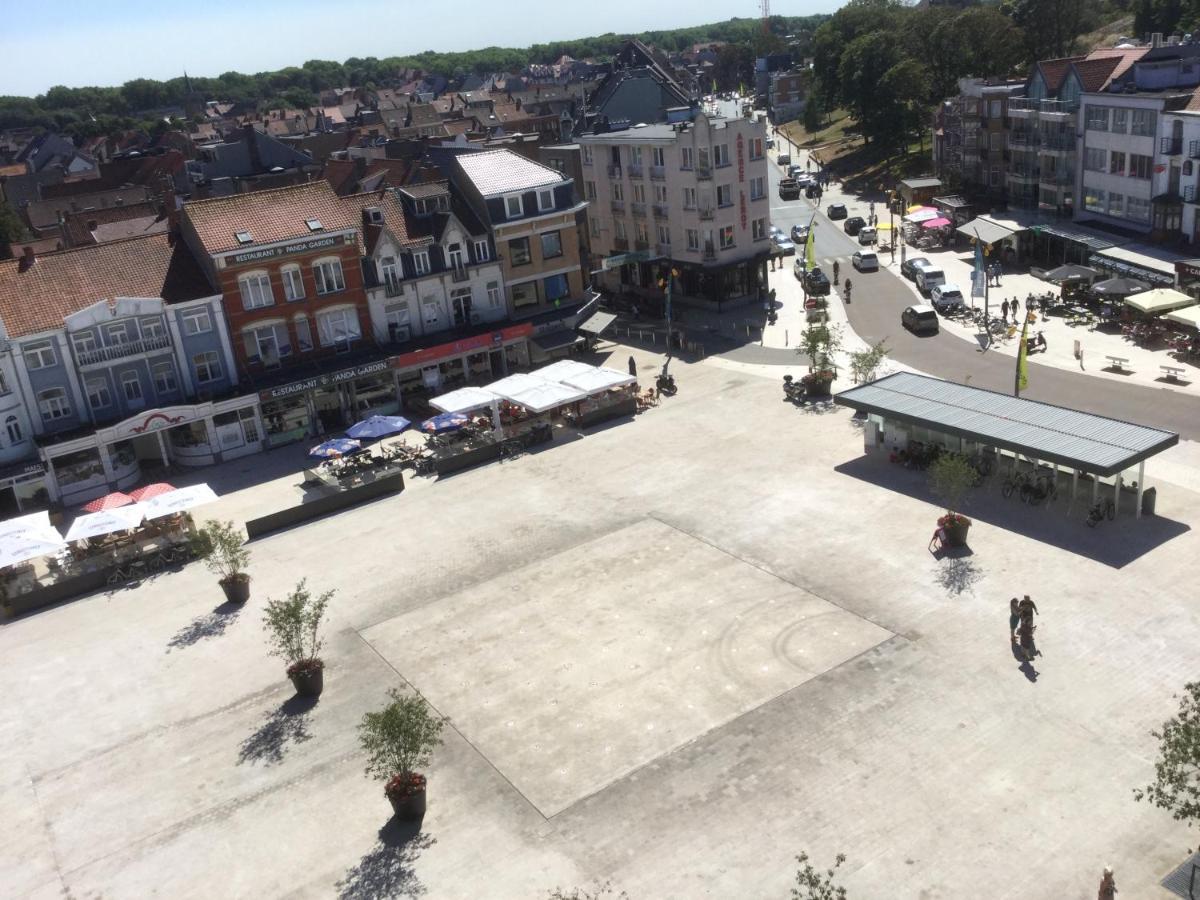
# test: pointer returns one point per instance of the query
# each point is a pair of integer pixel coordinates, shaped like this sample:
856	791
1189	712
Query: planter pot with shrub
236	588
399	740
294	630
818	384
950	477
222	547
955	528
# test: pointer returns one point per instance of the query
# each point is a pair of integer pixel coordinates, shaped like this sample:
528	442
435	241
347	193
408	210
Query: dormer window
512	206
545	200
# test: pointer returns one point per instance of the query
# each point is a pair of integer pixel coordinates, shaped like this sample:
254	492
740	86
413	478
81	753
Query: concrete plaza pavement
676	651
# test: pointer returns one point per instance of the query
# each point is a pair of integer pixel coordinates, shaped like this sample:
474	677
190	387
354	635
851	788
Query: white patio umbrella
535	394
38	521
599	379
30	545
468	399
123	518
922	215
562	370
1159	300
178	500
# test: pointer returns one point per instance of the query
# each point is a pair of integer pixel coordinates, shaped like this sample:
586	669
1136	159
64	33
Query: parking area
675	653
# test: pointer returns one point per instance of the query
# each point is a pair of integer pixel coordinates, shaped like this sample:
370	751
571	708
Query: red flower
305	667
405	784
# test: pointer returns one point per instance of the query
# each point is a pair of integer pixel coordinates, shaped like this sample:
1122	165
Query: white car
776	233
946	296
865	262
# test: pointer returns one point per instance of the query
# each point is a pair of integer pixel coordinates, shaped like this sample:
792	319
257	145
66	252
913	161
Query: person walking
633	372
1004	310
1016	303
1108	887
836	269
1014	619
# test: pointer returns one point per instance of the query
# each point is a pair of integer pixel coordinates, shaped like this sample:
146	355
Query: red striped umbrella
109	501
151	490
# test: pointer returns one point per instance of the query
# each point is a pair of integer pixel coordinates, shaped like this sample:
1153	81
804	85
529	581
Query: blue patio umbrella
335	448
375	427
444	422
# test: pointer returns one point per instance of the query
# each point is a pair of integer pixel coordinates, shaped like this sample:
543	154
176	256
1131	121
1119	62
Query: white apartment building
1116	156
1179	149
693	195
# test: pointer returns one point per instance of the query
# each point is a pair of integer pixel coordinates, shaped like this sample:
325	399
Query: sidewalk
1060	338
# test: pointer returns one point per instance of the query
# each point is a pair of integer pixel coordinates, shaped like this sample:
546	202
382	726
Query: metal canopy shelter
1067	437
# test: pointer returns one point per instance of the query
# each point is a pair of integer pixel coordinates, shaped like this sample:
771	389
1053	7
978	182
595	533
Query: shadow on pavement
1114	544
388	870
286	725
957	573
210	625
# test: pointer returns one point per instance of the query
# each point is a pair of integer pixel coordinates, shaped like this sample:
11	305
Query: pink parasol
108	501
151	490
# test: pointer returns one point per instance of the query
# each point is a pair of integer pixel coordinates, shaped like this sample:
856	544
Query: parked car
946	297
910	266
918	318
854	225
836	210
812	191
865	262
786	247
789	189
770	143
795	170
816	283
799	233
866	235
784	159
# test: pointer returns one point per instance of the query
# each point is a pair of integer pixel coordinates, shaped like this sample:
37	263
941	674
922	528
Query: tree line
88	111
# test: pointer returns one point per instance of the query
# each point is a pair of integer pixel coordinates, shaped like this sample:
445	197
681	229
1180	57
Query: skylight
313	224
244	237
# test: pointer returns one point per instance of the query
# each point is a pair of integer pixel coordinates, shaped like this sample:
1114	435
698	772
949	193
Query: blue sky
84	42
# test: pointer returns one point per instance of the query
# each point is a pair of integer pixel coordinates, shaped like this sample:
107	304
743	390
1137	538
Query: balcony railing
620	243
392	287
663	250
614	171
459	273
1058	142
1170	146
635	170
1023	138
1189	194
658	173
706	212
618	206
1057	179
638	209
661	210
122	350
1023	174
710	252
1194	149
703	172
1022	105
641	245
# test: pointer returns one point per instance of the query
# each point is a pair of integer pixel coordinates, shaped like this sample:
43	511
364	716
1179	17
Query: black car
854	225
836	210
812	191
816	283
909	267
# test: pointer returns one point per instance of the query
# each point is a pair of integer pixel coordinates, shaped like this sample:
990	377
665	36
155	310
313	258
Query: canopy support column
1095	489
1074	489
1141	487
496	427
1117	494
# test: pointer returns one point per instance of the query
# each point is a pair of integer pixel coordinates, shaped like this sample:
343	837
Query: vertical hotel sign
741	153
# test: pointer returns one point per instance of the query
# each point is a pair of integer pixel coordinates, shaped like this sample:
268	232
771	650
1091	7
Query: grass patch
835	129
866	168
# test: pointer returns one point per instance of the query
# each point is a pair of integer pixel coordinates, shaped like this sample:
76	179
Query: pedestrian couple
993	273
1015	307
1021	627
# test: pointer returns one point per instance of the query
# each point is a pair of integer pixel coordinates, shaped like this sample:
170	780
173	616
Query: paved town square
675	651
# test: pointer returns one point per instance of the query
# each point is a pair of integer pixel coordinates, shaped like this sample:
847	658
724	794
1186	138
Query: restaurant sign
328	380
741	152
1190	267
306	246
486	341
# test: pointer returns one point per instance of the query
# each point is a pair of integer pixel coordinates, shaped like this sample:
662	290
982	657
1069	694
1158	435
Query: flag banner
1022	359
810	246
979	275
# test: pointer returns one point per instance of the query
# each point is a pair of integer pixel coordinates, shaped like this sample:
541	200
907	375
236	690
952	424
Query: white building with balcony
690	196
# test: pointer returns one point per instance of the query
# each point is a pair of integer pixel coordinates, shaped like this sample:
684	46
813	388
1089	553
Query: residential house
970	136
121	358
242	163
786	93
690	196
641	88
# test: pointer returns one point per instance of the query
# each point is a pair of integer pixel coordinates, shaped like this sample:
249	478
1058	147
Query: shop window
97	393
207	366
255	289
13	426
131	386
328	273
39	355
267	344
482	251
85	342
54	404
518	252
164	379
524	294
303	334
79	468
293	283
197	321
551	245
338	327
557	287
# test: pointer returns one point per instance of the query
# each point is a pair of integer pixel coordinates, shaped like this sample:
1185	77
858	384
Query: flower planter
308	680
237	589
407	799
820	388
956	532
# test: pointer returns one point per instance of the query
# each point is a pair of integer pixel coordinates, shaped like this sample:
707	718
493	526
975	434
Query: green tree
813	884
865	62
11	229
1051	27
814	115
1176	785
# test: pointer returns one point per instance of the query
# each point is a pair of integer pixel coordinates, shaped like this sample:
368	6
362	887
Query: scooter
792	389
666	384
1036	344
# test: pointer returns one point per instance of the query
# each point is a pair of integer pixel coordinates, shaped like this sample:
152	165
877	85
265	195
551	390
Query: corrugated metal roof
502	171
1040	430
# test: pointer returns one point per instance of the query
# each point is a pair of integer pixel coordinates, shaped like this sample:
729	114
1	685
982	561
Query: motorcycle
666	384
792	389
1036	344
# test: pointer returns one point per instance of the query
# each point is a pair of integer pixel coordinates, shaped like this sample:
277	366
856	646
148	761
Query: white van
929	278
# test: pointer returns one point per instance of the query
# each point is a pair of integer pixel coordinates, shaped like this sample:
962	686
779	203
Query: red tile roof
75	224
394	218
1055	70
1125	58
269	216
38	297
1093	74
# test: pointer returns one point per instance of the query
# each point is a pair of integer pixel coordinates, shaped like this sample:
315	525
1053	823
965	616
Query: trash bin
1148	501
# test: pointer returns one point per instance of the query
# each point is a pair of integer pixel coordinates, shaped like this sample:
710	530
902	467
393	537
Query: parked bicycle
1103	509
1015	481
1038	489
511	449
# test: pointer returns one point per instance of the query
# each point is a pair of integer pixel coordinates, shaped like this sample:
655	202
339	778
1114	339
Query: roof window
313	224
244	237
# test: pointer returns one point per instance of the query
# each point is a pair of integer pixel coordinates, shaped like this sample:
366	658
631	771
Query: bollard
785	338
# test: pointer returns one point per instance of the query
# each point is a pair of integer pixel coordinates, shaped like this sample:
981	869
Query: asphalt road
874	313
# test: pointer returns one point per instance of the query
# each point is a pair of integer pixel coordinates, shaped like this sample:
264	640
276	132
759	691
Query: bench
1118	363
1171	373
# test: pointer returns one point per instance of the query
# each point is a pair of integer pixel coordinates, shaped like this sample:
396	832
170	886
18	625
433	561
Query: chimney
92	225
249	136
1156	39
28	257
